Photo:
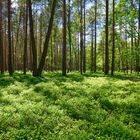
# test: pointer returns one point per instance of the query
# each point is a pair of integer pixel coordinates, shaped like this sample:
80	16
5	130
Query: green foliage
75	107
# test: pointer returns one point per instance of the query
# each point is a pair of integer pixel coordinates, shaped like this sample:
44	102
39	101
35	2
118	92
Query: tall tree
106	44
84	46
10	58
113	40
32	39
95	42
92	45
138	37
1	41
132	41
81	38
47	38
25	37
64	40
70	39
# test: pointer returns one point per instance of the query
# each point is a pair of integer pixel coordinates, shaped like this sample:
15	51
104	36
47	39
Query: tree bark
138	69
95	43
92	45
1	41
113	41
106	44
10	58
64	40
25	37
32	39
84	48
46	44
69	31
81	39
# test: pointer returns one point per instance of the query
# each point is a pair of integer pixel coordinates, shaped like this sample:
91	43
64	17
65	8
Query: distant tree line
70	35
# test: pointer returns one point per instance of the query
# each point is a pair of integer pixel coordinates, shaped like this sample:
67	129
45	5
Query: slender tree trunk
84	48
64	40
25	38
78	53
95	43
103	55
55	50
36	31
131	63
69	31
92	47
106	44
45	50
1	41
10	62
132	43
5	47
40	38
120	62
137	55
17	39
81	39
113	41
51	54
13	49
139	38
31	56
126	52
75	56
32	38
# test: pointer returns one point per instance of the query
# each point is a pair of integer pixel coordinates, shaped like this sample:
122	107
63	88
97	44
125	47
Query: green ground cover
76	107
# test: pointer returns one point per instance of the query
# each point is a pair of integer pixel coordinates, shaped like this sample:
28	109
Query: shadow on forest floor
86	106
57	77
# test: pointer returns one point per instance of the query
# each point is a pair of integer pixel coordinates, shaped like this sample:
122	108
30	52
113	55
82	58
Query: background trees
99	35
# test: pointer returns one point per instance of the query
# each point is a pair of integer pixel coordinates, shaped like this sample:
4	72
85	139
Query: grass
88	107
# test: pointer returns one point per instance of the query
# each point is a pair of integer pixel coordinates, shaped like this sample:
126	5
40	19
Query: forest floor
92	106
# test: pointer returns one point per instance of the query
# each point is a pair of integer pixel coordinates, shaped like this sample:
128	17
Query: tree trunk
81	39
5	47
84	48
1	41
69	31
46	44
106	44
103	54
92	47
113	41
10	58
64	40
40	38
132	43
52	54
25	38
131	62
32	39
17	39
139	38
95	43
126	54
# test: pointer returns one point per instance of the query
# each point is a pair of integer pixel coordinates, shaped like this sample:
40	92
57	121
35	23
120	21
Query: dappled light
68	108
69	69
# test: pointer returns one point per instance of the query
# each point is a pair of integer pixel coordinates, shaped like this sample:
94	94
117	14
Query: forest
69	69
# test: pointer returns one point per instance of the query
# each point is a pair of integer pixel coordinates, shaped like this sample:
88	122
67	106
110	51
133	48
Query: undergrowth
87	107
